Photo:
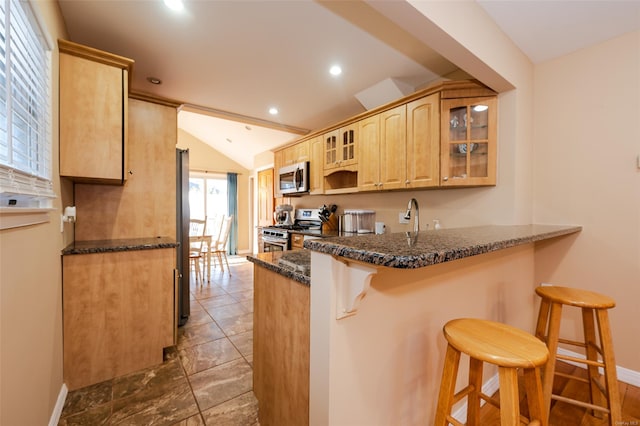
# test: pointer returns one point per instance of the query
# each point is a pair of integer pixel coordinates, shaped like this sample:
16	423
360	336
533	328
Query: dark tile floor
206	379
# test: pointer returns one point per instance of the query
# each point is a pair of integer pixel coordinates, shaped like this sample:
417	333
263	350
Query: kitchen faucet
416	219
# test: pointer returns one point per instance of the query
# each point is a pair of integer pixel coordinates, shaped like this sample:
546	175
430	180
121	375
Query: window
25	117
207	196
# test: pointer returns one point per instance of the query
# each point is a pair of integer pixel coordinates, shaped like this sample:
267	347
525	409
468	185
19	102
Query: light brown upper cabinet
316	170
297	153
382	151
94	87
423	142
468	141
340	148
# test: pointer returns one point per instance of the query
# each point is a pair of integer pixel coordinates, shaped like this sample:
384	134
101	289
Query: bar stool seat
603	398
508	348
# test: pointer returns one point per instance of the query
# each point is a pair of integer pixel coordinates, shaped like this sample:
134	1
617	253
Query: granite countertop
294	264
128	244
432	247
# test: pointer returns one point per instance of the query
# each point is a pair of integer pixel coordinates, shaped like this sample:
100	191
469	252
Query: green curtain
232	203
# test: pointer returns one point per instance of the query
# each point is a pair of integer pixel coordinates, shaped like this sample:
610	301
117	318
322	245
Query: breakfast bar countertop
405	251
127	244
294	264
397	250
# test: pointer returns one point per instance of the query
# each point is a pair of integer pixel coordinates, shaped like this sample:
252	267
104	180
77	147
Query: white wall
31	289
587	141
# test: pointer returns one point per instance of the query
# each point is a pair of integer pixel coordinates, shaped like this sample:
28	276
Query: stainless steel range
278	238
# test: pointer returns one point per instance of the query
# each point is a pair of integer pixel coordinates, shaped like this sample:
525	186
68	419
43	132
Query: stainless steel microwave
294	179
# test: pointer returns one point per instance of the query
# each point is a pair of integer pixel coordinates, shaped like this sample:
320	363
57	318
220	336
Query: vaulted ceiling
230	61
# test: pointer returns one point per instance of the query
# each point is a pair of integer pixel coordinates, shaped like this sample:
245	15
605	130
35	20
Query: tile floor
206	379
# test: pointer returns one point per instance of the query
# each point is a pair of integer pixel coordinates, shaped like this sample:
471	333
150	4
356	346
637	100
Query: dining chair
197	229
220	246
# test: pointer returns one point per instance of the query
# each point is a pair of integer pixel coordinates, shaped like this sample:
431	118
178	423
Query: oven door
274	244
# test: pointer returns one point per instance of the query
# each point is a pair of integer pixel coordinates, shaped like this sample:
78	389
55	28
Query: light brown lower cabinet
280	349
118	313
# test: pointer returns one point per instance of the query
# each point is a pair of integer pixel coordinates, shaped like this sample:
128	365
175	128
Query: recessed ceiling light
154	80
335	70
176	5
273	111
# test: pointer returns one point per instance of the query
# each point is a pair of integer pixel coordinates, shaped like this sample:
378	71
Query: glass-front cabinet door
469	141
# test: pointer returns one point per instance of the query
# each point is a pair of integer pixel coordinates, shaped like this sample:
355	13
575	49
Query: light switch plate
401	218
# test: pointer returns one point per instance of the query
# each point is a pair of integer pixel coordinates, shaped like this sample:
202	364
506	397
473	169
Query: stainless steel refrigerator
182	233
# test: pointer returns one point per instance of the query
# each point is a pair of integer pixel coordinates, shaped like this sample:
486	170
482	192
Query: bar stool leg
447	386
611	377
543	318
473	399
509	404
533	387
552	343
592	355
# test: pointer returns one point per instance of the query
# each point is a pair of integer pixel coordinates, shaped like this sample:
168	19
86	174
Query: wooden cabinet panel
468	141
146	205
382	151
316	166
280	349
423	142
340	147
265	197
369	154
297	241
93	114
393	167
116	319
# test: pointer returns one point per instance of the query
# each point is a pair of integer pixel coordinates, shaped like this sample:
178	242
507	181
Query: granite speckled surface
432	247
129	244
293	264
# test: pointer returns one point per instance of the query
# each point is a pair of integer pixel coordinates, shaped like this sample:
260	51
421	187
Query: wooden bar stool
507	347
603	399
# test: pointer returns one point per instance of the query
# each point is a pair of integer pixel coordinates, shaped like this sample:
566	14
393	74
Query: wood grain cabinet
468	141
399	148
423	142
281	322
93	114
340	147
382	150
297	241
316	166
118	313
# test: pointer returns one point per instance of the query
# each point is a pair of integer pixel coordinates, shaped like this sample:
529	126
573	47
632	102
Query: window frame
27	197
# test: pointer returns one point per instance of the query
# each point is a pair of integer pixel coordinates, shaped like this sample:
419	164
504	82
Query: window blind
25	117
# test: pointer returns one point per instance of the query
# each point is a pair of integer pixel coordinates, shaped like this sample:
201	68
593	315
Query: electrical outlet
401	218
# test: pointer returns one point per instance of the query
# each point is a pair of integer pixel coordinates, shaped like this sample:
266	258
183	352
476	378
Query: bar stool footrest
579	403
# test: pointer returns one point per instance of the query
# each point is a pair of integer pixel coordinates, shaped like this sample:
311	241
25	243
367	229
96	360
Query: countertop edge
296	276
118	245
427	258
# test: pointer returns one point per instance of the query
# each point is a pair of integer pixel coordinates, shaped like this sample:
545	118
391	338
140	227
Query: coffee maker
283	215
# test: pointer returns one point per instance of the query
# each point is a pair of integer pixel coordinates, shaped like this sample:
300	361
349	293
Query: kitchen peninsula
377	360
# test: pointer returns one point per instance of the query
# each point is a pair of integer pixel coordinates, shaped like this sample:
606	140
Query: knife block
331	224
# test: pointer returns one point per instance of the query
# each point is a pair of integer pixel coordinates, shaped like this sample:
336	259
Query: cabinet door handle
407	181
446	178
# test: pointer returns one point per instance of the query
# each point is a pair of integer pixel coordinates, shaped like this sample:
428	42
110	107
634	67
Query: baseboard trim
492	385
625	375
57	409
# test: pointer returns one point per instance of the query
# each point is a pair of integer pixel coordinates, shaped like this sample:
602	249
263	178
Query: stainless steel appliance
182	234
294	179
283	214
278	237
